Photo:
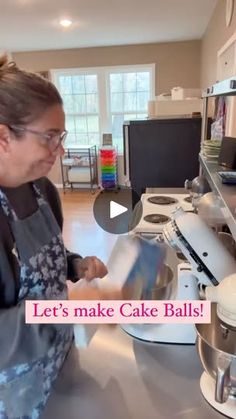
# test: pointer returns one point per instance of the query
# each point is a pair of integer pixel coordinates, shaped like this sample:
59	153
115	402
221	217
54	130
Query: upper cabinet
226	68
226	59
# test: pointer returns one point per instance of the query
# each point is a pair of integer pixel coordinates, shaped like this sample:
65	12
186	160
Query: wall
214	38
177	64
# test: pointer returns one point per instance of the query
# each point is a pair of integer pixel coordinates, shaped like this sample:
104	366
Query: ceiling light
65	23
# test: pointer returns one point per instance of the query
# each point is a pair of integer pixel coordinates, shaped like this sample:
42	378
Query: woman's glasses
53	139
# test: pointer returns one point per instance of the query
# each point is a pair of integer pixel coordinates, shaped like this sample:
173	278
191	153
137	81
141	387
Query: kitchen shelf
227	193
224	88
79	166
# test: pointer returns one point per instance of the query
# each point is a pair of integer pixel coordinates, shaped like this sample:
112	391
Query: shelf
227	193
224	88
80	147
71	162
79	166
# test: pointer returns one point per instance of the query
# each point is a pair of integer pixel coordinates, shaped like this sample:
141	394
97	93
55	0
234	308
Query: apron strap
7	208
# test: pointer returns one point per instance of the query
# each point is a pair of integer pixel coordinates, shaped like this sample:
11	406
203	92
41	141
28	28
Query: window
129	93
99	100
80	97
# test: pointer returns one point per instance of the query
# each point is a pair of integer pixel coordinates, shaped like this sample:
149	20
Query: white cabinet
226	68
226	60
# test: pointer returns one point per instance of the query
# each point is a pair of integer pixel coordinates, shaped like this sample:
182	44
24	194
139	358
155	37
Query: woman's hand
90	267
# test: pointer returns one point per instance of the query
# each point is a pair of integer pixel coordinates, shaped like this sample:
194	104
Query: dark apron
25	388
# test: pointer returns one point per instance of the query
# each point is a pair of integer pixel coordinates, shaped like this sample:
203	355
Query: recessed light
65	23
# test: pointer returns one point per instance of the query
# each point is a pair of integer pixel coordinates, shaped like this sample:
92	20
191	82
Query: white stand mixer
218	352
211	264
209	261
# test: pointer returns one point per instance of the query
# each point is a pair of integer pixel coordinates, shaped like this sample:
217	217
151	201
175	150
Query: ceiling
27	25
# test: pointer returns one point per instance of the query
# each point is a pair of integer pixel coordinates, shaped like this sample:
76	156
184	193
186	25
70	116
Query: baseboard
85	186
76	186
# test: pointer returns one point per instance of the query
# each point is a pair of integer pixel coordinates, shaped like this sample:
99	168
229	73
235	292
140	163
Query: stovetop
157	210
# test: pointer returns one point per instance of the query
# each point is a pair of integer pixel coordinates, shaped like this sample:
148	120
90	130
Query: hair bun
7	66
3	61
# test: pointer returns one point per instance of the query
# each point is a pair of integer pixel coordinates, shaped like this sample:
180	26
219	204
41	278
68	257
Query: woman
33	261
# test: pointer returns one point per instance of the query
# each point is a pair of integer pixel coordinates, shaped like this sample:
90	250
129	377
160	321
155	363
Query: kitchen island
118	377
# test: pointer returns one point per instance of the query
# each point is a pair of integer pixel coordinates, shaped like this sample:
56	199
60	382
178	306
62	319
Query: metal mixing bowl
163	287
216	346
228	241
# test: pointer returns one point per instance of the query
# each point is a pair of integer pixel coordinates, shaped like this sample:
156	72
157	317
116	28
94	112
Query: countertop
118	377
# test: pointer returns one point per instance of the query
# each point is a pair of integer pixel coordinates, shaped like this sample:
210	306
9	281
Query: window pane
82	139
142	116
65	84
92	103
117	131
70	140
79	103
81	124
117	125
143	81
94	139
91	83
142	101
130	116
68	103
118	143
130	101
128	93
130	82
116	102
78	84
93	125
70	124
116	82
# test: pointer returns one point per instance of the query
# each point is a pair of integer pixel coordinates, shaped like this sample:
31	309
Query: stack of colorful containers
108	160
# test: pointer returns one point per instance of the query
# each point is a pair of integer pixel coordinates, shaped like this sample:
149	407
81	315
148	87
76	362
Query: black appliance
161	152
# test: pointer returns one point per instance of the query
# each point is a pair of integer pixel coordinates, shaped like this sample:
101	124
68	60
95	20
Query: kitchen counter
118	377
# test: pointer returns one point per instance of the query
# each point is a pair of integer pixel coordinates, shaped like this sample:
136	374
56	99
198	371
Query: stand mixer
216	344
209	262
210	274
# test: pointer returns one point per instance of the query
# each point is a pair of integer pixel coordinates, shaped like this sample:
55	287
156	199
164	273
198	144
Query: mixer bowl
164	286
216	346
228	241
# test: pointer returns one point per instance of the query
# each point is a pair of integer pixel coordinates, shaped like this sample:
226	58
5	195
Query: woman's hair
24	96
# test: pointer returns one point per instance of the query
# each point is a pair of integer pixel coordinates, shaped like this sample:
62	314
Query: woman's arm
52	196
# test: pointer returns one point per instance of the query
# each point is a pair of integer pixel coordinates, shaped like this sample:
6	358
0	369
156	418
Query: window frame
104	107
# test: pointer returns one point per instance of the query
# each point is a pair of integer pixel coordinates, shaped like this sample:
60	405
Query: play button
114	212
116	209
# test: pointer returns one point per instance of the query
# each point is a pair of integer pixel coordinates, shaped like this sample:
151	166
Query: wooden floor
81	232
